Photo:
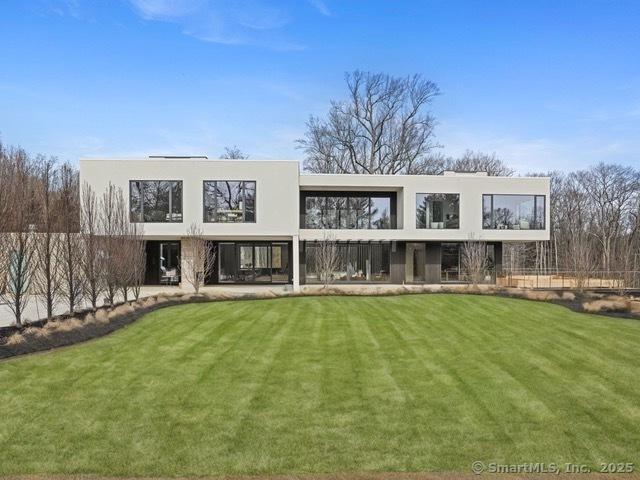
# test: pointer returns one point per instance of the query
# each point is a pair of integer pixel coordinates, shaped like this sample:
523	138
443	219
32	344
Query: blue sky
543	84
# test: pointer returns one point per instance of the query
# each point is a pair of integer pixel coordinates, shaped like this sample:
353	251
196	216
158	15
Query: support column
296	263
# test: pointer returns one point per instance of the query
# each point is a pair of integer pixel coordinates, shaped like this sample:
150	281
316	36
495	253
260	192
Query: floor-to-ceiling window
513	212
163	263
348	210
450	262
254	262
356	262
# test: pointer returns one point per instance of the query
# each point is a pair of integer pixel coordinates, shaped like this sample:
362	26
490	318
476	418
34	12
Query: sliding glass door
253	262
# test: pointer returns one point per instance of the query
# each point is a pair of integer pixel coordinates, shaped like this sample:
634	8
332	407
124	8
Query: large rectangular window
358	262
438	210
348	210
254	262
513	212
229	201
155	201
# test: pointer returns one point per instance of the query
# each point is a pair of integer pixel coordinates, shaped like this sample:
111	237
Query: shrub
120	311
101	316
606	305
15	339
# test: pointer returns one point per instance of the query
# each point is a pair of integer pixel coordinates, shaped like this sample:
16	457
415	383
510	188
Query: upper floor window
513	212
354	210
229	201
154	201
438	210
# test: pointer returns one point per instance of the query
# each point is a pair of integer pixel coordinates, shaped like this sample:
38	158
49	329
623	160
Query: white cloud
539	154
231	22
321	7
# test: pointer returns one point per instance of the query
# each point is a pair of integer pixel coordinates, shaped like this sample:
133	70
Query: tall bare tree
19	224
47	277
91	251
131	259
612	190
112	229
71	251
384	127
198	257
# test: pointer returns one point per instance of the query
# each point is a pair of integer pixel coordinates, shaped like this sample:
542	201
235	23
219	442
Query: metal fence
622	280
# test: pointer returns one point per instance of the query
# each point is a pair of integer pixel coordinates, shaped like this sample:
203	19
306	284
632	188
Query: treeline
60	247
595	225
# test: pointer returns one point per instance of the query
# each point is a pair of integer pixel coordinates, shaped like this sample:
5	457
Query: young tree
327	258
474	259
382	128
71	240
19	223
132	259
198	257
112	223
90	253
47	275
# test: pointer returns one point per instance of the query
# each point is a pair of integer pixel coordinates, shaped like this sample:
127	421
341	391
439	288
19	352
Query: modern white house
266	218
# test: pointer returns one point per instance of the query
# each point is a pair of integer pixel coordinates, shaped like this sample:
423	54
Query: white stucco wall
277	195
277	198
470	187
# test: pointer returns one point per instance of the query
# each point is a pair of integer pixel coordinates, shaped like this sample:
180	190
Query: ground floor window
452	265
163	263
253	262
450	262
356	262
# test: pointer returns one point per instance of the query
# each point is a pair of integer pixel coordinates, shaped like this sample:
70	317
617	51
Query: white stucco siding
470	187
278	185
277	197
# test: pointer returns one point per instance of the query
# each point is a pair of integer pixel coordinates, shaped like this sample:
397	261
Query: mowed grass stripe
329	384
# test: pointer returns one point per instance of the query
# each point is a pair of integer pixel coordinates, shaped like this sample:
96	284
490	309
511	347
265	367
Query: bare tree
382	128
131	259
19	223
113	222
612	190
472	161
70	239
327	258
47	277
91	252
474	259
577	244
138	256
198	257
233	153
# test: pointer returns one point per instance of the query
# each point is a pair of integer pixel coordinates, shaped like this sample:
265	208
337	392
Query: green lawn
329	384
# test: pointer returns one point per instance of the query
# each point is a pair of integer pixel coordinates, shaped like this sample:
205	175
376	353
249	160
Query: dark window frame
437	193
345	246
253	244
244	200
347	194
535	209
142	220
